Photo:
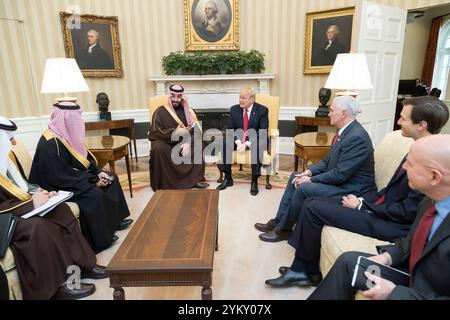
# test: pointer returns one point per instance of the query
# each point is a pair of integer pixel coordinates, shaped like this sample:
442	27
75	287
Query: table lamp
62	75
350	72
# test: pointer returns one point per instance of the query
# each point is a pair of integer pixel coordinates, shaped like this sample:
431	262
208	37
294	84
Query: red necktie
420	236
245	124
400	170
380	201
336	138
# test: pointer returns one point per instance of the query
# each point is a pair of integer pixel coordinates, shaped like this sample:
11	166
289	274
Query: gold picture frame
213	28
320	51
96	59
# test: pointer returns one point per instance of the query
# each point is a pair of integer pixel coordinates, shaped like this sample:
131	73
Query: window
442	66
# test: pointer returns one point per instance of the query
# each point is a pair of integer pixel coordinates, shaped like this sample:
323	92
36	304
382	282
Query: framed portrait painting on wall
94	43
328	33
211	24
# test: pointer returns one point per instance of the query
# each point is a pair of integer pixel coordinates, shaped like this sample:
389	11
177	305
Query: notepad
360	281
49	205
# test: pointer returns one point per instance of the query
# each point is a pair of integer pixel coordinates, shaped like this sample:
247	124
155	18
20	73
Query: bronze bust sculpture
324	96
103	104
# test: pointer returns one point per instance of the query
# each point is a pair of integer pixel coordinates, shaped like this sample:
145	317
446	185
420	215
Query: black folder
360	281
8	223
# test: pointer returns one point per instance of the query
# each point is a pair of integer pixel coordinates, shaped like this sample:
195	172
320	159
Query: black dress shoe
201	185
124	224
97	272
254	188
266	227
225	184
291	278
65	293
115	238
283	269
276	235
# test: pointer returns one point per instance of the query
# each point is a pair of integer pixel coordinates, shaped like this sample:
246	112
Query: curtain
430	56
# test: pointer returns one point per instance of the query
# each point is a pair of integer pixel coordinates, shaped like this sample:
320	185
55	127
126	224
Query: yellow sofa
388	155
7	263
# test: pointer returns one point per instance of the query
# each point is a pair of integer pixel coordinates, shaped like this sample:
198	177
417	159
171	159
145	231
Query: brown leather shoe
97	272
64	293
276	235
266	227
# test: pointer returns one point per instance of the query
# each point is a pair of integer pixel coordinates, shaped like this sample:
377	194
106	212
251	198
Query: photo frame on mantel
211	25
94	43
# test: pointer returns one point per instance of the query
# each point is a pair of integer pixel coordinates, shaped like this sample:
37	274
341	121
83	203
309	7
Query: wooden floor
243	262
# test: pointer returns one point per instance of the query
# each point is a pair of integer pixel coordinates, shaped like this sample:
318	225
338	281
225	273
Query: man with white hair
425	252
326	55
211	28
348	168
94	56
43	247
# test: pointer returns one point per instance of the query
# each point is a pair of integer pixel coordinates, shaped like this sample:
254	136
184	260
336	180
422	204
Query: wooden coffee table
171	244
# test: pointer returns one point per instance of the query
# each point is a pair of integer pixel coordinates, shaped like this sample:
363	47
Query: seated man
249	122
43	248
347	168
170	122
61	162
386	215
424	252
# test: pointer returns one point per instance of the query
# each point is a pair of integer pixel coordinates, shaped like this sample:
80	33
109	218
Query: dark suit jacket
258	120
400	203
327	57
431	276
98	59
349	163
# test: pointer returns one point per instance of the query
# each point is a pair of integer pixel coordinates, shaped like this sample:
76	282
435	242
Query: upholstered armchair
388	155
270	156
23	160
155	102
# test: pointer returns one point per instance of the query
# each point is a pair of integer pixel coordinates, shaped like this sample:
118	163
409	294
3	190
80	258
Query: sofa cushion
336	241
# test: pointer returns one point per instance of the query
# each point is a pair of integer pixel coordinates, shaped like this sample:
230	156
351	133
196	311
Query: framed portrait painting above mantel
211	25
328	33
94	43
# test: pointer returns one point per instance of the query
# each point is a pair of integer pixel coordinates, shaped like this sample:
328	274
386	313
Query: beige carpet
242	263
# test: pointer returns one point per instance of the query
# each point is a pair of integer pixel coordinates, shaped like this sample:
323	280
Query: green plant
213	63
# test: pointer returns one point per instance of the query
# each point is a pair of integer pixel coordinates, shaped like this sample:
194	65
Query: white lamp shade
350	71
62	75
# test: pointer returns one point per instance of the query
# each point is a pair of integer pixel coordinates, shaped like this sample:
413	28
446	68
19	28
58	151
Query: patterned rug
142	179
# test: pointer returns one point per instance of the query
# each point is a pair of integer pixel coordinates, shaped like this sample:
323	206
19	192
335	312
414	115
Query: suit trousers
337	285
293	198
318	212
226	165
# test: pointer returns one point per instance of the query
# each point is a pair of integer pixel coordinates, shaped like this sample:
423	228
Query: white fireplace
213	91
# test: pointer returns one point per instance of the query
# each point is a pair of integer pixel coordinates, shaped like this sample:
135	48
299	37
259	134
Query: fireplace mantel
214	91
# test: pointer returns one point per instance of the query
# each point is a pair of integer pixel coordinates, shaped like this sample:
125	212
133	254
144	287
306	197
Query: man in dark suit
94	56
425	252
347	168
386	215
249	122
326	55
